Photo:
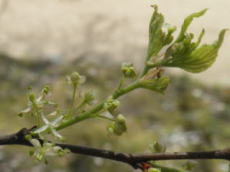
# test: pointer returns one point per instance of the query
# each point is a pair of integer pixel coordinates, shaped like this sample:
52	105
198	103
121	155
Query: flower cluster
128	70
118	126
111	104
41	150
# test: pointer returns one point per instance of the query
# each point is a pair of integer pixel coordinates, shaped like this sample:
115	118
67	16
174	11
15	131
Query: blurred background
41	41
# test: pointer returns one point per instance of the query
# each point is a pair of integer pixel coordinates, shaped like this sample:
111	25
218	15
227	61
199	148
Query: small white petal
35	143
41	129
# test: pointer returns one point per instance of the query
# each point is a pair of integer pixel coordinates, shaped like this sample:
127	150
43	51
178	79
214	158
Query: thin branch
135	160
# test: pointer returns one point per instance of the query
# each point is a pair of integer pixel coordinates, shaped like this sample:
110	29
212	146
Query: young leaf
197	60
157	38
188	20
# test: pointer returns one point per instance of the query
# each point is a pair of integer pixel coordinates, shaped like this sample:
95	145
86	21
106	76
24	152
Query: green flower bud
118	127
156	147
128	70
89	98
45	90
32	97
76	79
121	118
111	104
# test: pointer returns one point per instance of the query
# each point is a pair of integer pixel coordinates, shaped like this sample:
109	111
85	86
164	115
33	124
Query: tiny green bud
128	70
171	29
121	118
111	104
32	97
45	90
118	127
76	79
156	147
89	98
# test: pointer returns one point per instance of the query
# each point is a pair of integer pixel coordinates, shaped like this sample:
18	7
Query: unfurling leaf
157	37
188	20
193	59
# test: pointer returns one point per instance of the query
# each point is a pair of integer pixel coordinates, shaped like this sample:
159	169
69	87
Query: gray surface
65	29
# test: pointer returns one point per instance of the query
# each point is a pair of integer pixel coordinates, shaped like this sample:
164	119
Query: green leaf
195	60
188	20
157	38
158	84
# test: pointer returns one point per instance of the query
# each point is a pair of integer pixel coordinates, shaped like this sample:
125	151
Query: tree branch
135	160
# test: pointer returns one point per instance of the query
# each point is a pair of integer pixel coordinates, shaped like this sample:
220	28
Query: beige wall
111	28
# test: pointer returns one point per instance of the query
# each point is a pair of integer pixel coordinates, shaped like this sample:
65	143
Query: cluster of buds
128	70
111	104
88	98
118	126
75	79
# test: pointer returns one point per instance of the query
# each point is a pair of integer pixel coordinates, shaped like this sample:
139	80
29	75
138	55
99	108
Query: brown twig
135	160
